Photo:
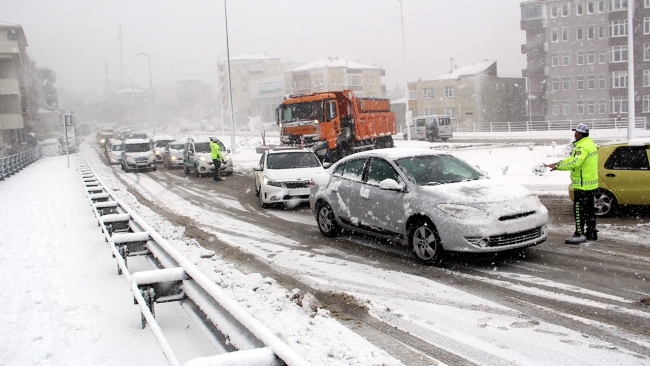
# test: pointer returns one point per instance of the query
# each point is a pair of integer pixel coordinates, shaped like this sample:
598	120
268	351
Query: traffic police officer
216	158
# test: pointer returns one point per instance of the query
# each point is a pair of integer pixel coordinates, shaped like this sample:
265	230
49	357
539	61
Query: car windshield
116	147
292	160
162	143
437	169
303	111
176	147
138	136
141	147
202	147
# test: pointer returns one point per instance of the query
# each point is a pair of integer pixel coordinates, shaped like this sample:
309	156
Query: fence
593	124
240	337
12	164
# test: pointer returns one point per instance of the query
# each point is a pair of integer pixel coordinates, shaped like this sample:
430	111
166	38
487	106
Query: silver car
428	200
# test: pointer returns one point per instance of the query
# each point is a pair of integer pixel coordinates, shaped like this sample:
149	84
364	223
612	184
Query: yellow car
623	175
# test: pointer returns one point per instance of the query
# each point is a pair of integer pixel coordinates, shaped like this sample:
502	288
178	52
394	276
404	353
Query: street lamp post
153	105
232	112
223	123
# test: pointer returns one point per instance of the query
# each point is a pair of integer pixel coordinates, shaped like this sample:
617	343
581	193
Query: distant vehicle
138	135
50	147
623	175
158	144
172	155
197	158
431	128
428	200
114	152
283	176
336	124
103	137
137	155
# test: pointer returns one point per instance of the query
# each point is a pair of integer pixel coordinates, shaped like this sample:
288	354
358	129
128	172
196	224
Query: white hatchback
283	176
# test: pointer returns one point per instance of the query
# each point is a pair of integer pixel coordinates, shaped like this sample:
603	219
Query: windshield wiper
432	184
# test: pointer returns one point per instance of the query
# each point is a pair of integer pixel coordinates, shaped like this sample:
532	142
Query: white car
114	152
428	200
137	155
283	176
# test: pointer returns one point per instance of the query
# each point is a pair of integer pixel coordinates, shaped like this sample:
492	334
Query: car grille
509	239
295	185
140	160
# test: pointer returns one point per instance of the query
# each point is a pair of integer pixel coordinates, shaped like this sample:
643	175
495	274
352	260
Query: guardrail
12	164
240	336
594	124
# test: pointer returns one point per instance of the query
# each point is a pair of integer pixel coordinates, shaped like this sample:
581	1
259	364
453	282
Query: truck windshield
137	147
302	111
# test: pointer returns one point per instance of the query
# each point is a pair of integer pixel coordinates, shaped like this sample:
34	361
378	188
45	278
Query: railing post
2	168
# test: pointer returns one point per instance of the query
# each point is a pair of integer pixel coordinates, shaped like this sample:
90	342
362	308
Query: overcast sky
184	38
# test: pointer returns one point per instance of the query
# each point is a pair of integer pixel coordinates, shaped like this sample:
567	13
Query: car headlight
173	158
130	159
270	182
102	141
227	157
152	157
202	158
157	152
462	212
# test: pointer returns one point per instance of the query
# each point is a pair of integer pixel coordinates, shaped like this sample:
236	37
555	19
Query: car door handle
610	175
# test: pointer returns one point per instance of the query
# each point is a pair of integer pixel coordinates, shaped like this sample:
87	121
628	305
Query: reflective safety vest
583	164
216	150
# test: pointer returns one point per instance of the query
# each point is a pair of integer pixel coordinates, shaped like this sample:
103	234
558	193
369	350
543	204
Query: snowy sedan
428	200
283	176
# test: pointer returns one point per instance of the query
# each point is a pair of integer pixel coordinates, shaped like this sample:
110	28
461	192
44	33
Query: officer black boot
576	239
592	235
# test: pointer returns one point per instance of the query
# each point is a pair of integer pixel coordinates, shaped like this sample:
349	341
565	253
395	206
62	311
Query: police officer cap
582	128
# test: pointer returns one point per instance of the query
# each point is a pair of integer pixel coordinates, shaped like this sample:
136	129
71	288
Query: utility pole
630	70
407	120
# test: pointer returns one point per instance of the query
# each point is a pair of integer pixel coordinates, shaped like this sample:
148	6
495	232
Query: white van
431	128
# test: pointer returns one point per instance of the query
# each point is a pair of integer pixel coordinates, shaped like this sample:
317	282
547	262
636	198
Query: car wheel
154	169
260	198
604	202
425	242
445	138
326	221
186	170
122	166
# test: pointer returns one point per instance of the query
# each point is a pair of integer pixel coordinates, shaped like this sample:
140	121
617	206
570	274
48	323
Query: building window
565	10
320	80
591	32
601	31
256	76
602	107
579	34
591	82
354	80
566	109
646	3
554	12
619	104
271	67
428	112
580	83
565	34
413	94
646	52
566	83
591	107
580	108
646	104
256	66
646	77
618	5
451	112
244	89
333	80
566	57
601	6
555	35
591	7
602	57
591	58
618	54
556	109
618	28
619	79
580	58
427	93
244	79
555	59
370	80
602	82
579	9
646	25
556	84
450	91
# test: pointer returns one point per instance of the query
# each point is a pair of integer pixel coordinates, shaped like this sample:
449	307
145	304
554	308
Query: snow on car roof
401	153
159	138
136	141
287	149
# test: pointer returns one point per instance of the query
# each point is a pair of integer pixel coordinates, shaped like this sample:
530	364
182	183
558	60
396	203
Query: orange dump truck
337	123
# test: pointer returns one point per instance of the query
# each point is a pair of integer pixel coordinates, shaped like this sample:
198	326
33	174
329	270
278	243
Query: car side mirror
228	150
257	168
390	185
327	165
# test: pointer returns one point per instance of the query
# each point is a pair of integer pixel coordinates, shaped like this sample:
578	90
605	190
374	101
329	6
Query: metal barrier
12	164
594	124
241	336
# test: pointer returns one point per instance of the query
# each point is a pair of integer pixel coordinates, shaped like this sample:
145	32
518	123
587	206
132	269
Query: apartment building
335	74
470	94
244	68
577	58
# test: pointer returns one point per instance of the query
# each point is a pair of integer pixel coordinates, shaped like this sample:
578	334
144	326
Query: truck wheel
389	142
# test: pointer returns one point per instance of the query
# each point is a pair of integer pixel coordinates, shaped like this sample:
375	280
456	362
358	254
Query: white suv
283	176
137	155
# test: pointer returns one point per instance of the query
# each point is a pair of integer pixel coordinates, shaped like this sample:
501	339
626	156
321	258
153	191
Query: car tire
261	200
605	203
154	169
326	220
423	239
444	139
186	170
